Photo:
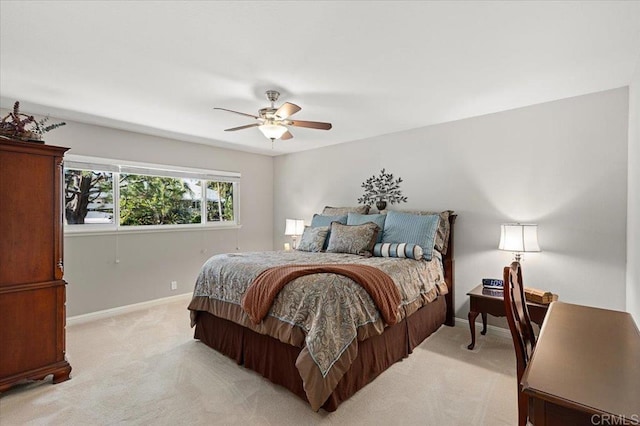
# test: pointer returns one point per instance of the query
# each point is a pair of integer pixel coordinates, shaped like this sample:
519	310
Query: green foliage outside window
145	199
220	209
152	200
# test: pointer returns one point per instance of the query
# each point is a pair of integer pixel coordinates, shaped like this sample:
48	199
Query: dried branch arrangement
25	127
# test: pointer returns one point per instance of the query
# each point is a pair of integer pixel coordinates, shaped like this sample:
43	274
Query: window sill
147	230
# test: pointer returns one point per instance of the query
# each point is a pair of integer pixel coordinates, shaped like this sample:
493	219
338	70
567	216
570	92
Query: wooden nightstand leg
484	323
472	326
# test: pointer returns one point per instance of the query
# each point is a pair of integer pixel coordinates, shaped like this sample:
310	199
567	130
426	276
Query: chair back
519	321
518	318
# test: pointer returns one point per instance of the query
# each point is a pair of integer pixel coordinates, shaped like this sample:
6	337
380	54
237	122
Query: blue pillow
325	220
413	229
411	251
359	219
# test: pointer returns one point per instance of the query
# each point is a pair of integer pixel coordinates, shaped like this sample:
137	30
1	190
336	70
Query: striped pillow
411	251
442	236
411	228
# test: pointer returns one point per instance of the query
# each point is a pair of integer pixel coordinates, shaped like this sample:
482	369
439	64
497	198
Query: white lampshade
519	237
273	131
294	227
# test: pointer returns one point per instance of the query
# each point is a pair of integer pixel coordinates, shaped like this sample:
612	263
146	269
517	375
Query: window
88	197
106	194
219	201
155	200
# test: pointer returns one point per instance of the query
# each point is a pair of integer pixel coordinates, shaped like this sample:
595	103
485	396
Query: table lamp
519	238
294	228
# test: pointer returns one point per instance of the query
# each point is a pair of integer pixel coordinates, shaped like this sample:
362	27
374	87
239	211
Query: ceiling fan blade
311	124
233	129
287	109
236	112
286	135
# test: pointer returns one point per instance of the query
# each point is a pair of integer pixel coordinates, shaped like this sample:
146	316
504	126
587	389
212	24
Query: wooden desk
487	301
585	368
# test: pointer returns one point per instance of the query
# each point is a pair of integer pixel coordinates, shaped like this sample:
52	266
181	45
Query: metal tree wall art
380	189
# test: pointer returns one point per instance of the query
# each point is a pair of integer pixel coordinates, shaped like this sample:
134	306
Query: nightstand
488	301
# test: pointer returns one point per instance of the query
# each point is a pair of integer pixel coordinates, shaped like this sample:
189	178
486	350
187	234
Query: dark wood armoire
32	291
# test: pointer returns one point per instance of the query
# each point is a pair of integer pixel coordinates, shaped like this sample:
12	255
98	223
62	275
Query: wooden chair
519	321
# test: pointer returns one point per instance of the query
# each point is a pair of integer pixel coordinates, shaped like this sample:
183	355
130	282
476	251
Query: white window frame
81	162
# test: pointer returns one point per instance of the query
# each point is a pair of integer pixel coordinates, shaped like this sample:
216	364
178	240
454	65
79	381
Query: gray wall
561	164
148	262
633	212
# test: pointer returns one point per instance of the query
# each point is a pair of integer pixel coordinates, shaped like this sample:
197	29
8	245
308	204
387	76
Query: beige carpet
145	368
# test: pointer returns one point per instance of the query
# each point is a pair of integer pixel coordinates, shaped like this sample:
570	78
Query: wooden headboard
450	274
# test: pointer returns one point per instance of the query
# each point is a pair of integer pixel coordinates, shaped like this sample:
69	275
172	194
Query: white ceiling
370	68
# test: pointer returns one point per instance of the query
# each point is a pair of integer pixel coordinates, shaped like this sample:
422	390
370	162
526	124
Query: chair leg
523	408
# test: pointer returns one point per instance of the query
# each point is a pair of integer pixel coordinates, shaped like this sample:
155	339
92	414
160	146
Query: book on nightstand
539	296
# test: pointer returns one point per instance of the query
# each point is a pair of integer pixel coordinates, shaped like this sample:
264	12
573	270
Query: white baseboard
92	316
491	329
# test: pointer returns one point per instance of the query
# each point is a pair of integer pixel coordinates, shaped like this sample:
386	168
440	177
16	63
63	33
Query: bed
324	337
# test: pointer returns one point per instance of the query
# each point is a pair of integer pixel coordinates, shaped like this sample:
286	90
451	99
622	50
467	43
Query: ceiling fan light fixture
273	122
273	131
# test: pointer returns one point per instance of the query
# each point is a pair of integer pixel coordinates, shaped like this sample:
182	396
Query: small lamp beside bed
519	238
293	228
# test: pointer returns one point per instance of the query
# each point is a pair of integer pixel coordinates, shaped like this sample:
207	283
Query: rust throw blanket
260	295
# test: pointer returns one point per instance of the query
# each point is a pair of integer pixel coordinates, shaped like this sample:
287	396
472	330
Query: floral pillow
327	220
335	211
353	239
359	219
313	238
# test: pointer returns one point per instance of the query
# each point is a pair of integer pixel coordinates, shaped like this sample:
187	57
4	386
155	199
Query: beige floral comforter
324	314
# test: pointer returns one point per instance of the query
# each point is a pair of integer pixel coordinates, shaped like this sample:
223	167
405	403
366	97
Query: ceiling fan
273	121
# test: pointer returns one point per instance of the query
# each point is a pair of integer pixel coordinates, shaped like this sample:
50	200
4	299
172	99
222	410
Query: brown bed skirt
276	360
